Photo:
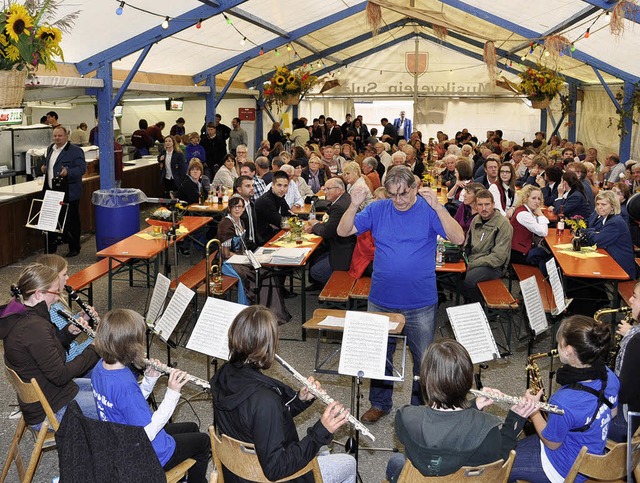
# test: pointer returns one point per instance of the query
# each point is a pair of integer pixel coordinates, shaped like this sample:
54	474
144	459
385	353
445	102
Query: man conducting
405	229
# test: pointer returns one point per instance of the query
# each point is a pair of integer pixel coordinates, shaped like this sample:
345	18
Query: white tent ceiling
192	50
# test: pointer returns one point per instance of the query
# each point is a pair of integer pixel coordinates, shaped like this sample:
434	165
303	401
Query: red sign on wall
247	113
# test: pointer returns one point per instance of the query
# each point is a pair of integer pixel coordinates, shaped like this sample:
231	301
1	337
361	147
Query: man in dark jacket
340	248
271	207
63	170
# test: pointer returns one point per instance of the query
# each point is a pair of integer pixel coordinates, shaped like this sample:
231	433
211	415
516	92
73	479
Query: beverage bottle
312	213
560	225
440	249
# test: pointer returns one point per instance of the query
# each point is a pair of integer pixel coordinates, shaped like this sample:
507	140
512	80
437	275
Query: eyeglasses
505	172
327	188
404	194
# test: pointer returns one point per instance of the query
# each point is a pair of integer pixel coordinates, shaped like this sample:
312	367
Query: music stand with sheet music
471	328
56	219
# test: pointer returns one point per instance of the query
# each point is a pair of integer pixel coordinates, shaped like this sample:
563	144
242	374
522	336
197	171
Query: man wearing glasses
405	229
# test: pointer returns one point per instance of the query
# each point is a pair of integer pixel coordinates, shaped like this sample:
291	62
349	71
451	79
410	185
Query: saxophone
615	343
533	372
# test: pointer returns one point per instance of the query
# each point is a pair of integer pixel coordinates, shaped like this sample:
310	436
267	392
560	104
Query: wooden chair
29	392
241	460
610	467
497	472
176	473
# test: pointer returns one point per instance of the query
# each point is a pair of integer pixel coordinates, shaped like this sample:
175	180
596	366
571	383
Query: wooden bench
497	299
625	289
193	277
546	292
85	277
360	291
337	289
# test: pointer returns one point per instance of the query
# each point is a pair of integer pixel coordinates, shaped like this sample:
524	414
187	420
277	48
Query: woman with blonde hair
607	229
60	265
35	348
352	176
529	227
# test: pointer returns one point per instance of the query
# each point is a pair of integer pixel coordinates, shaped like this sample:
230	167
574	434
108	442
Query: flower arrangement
428	179
287	86
576	223
30	36
162	216
540	83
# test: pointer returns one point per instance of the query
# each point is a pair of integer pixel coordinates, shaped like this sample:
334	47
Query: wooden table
458	269
144	250
298	271
591	269
320	314
220	208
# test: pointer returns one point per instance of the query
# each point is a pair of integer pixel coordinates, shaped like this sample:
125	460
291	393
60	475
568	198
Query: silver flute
165	369
72	320
550	408
324	397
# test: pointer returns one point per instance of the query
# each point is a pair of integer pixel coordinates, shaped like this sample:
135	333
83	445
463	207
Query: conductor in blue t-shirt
405	229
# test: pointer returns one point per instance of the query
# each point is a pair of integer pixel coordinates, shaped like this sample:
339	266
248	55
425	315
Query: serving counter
17	241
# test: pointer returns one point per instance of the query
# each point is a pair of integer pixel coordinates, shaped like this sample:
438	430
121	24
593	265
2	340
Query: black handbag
452	253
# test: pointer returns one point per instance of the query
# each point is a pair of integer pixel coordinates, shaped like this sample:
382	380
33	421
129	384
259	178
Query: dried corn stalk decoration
374	17
622	9
440	32
554	44
490	60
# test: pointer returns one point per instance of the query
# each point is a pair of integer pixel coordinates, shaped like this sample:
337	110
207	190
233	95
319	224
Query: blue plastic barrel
117	215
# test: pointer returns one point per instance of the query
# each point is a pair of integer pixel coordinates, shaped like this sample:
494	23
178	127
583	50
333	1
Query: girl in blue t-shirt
119	398
589	397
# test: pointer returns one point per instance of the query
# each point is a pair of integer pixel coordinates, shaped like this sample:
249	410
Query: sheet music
172	314
533	304
556	285
210	335
332	321
50	210
158	297
364	345
471	329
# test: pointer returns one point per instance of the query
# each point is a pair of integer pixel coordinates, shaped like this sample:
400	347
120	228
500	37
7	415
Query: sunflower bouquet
287	86
30	36
540	82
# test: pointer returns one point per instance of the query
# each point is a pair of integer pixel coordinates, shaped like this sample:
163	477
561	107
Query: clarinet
94	321
165	369
72	320
324	397
550	408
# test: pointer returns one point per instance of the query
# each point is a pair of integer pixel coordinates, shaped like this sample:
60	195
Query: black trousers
190	443
71	231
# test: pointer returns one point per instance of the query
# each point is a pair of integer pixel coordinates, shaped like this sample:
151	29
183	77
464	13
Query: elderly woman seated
369	169
353	177
607	229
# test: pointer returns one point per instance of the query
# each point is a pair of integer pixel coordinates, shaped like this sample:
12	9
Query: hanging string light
165	23
277	53
587	33
243	41
120	9
261	51
199	24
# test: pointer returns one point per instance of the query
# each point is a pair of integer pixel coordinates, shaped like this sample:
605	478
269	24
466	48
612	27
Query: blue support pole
130	76
105	127
606	88
543	120
259	116
625	141
573	99
211	103
228	84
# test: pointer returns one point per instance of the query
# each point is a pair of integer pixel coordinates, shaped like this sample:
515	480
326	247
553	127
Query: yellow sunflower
279	80
291	78
49	34
13	53
18	20
3	40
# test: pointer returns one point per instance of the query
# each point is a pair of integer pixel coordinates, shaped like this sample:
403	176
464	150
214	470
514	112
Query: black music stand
33	220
